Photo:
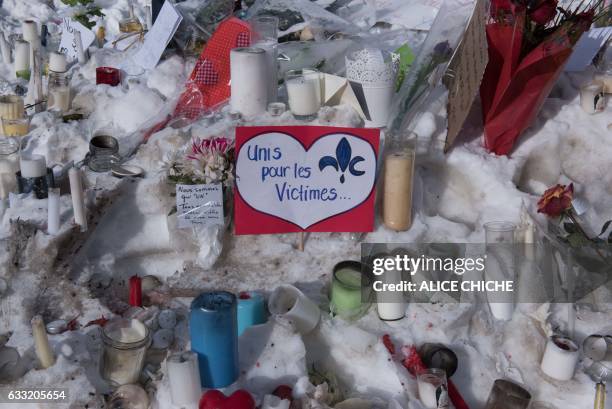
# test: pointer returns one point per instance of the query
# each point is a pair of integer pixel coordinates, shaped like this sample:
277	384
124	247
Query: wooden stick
301	241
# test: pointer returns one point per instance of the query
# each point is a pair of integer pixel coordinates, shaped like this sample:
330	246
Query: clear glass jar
125	343
58	92
433	388
397	183
349	290
9	165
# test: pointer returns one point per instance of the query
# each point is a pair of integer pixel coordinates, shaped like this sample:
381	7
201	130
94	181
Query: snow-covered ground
455	194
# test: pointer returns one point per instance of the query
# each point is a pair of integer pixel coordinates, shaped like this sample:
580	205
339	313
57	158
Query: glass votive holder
506	394
103	151
304	93
132	75
9	165
276	108
433	388
350	290
125	343
16	127
108	75
264	29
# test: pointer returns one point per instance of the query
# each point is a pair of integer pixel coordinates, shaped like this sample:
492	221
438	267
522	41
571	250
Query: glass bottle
397	184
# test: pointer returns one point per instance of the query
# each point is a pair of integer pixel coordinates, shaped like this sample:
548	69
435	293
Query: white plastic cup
288	302
378	100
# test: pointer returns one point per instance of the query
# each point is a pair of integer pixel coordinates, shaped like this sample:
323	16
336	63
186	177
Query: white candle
249	81
78	199
291	304
592	98
22	56
58	62
304	94
81	56
560	358
34	166
184	378
30	33
397	194
5	48
390	305
41	343
274	402
53	209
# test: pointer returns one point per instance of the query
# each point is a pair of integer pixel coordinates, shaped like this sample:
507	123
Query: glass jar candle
433	388
304	93
265	35
500	265
213	326
125	344
506	394
108	75
16	127
397	184
349	290
9	165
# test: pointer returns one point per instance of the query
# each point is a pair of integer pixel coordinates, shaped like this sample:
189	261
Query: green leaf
605	227
577	240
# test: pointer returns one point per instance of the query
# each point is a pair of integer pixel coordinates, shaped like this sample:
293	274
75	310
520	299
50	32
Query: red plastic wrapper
136	291
514	88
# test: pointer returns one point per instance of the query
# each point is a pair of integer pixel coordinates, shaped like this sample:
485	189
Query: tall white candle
81	56
5	48
22	56
41	343
249	81
33	166
560	358
30	33
184	378
397	195
53	209
78	198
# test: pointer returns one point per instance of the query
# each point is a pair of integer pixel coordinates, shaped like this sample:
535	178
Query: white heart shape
268	177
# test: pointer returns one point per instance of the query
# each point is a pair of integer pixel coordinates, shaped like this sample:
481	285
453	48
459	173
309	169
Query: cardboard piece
68	44
587	48
465	71
158	37
337	90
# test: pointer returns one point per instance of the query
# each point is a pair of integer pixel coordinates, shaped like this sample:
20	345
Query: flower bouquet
196	173
529	43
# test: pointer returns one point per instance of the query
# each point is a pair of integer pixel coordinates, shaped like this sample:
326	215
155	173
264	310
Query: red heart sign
214	399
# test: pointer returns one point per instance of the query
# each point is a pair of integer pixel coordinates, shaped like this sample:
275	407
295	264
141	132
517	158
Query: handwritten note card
67	42
157	39
199	205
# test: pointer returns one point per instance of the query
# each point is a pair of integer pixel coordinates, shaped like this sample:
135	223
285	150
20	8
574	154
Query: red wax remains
244	295
108	75
136	291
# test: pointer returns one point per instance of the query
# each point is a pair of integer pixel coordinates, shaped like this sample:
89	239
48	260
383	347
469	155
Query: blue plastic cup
214	337
251	310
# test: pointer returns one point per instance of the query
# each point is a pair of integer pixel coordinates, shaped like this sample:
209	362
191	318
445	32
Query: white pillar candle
291	304
592	98
249	81
184	378
30	33
53	209
560	358
5	48
304	93
391	305
33	166
397	190
274	402
41	343
81	56
58	62
22	56
78	198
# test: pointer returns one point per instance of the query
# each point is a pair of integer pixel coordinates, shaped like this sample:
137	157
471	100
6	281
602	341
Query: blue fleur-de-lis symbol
342	161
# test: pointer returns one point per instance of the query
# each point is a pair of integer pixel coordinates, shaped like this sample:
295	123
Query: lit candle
135	291
41	343
184	378
592	98
78	199
560	358
22	59
34	166
251	310
397	195
291	304
249	81
5	48
214	337
53	210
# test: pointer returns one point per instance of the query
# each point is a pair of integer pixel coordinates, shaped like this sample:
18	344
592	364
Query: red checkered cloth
209	83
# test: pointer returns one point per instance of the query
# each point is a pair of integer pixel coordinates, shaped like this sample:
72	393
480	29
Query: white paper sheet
157	39
67	44
587	47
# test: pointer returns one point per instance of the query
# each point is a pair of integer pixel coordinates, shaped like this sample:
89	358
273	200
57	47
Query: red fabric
136	291
209	83
513	89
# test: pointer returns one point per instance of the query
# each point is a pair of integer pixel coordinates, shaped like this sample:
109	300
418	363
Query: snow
454	196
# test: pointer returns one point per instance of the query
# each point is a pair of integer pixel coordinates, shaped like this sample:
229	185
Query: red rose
544	12
556	200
